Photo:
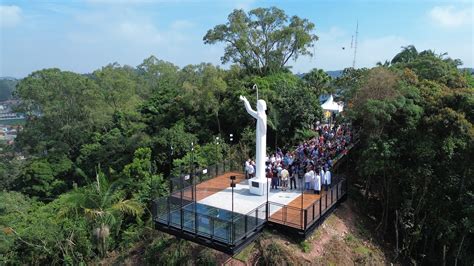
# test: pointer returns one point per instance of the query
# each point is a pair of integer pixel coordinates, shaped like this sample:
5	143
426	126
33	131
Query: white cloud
10	16
450	17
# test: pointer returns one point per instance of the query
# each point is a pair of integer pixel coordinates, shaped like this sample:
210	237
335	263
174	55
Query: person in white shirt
279	169
327	177
317	184
247	164
323	177
251	170
273	159
308	177
284	179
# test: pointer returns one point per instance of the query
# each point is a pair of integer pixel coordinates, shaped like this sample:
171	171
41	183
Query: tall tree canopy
263	40
415	155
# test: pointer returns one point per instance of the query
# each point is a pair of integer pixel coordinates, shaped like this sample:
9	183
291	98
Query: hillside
7	85
344	238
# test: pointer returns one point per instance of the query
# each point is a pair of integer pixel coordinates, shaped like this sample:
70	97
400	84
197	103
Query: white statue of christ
261	142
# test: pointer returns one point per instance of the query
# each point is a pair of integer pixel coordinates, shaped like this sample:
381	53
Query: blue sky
83	36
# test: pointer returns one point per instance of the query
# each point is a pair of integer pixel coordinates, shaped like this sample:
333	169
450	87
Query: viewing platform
202	208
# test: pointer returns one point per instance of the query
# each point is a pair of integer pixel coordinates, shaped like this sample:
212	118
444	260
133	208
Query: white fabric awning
330	105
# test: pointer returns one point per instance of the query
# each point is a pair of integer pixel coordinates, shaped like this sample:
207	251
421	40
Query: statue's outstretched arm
248	107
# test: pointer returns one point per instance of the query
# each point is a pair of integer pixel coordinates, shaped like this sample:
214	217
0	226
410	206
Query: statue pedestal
257	186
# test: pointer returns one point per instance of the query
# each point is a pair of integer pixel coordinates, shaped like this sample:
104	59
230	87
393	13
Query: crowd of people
310	163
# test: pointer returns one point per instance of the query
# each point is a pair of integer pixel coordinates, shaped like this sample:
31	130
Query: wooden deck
293	213
214	185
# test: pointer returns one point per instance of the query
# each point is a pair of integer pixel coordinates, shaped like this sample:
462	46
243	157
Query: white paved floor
244	201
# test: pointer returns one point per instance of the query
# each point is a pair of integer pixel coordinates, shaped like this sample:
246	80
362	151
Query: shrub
206	257
274	253
305	246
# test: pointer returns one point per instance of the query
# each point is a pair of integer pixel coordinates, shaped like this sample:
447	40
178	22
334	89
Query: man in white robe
327	177
317	184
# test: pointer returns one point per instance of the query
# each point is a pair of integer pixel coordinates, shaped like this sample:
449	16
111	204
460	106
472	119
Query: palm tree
104	205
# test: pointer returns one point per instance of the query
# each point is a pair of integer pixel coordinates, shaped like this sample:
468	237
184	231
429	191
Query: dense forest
97	148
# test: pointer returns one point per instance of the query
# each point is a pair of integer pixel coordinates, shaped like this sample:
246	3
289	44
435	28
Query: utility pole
355	45
255	88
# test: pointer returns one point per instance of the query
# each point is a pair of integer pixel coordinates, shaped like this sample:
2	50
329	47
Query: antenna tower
355	45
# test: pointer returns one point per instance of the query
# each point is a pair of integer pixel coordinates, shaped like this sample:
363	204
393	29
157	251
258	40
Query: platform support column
305	218
319	207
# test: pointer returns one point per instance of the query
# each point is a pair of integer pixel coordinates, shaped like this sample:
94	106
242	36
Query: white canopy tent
331	106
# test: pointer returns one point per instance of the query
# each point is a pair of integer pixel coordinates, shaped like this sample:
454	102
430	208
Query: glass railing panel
276	212
175	218
204	225
239	227
339	190
188	194
188	221
252	221
261	214
323	202
161	210
222	230
293	216
212	171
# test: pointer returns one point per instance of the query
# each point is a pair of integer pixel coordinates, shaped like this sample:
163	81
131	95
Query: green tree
104	205
141	179
264	40
39	180
119	88
414	159
407	55
319	81
431	66
61	110
157	74
33	233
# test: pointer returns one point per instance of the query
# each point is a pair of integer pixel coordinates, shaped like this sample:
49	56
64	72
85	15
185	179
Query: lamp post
231	139
232	185
193	188
171	157
171	167
267	205
217	157
255	88
191	170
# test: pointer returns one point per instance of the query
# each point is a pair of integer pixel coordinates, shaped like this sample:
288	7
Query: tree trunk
218	123
367	187
444	255
459	250
397	251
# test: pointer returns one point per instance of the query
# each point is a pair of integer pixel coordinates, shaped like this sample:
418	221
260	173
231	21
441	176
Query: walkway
214	185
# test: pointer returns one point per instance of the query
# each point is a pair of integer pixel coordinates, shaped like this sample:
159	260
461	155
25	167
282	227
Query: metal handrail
200	180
